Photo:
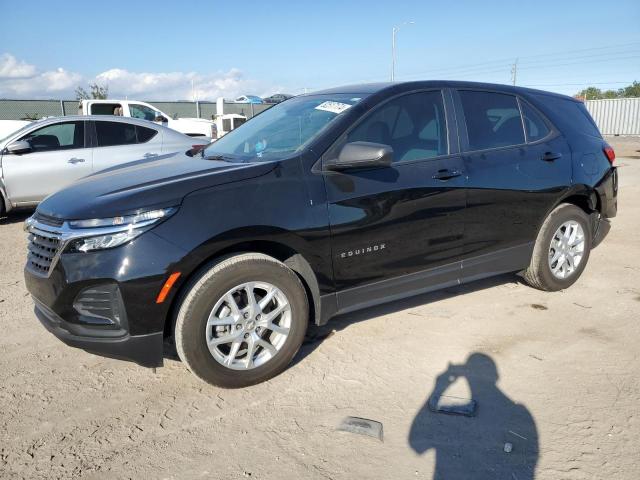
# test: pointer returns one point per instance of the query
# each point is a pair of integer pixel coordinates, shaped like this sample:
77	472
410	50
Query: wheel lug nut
246	315
238	327
246	335
258	317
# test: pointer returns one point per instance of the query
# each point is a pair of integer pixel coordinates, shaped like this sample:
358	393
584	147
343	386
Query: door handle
551	156
446	174
75	160
150	155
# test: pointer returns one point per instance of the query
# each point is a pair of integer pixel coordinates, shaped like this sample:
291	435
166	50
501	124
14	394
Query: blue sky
154	50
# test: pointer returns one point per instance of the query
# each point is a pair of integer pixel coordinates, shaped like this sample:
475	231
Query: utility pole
514	72
394	31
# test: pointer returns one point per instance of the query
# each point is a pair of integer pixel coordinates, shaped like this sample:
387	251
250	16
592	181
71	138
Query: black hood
136	186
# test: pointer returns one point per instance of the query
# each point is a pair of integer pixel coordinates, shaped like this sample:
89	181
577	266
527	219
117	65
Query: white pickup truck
194	127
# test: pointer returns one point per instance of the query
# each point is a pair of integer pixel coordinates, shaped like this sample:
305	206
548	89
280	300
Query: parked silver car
45	156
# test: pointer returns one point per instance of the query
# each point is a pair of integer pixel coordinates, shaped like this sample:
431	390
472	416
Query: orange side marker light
164	291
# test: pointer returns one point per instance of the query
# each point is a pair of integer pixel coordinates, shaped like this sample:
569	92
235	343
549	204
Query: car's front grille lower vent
43	248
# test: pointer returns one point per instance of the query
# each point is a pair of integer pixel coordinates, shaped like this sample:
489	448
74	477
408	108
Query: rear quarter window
569	115
145	134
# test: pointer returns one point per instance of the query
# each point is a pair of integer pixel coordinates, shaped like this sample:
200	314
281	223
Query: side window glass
534	125
142	111
493	119
61	136
106	109
115	133
413	125
145	134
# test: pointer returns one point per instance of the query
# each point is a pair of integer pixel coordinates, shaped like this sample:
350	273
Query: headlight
139	219
113	232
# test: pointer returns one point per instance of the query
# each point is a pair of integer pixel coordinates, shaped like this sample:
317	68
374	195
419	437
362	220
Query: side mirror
19	147
362	155
161	118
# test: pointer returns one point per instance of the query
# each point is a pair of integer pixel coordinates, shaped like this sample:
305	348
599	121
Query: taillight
609	153
196	148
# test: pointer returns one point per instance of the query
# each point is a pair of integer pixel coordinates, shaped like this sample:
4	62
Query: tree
98	92
593	93
632	90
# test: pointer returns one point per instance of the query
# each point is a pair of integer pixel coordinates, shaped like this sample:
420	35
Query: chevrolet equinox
324	204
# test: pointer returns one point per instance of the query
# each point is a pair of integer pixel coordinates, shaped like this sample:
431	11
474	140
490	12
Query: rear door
60	154
515	175
121	142
398	230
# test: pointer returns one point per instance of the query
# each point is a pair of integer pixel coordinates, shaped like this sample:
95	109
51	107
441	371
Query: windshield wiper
213	157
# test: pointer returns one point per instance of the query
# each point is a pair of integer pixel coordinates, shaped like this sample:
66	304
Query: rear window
106	109
115	133
493	119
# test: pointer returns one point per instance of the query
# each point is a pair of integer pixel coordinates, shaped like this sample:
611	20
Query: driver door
399	230
58	156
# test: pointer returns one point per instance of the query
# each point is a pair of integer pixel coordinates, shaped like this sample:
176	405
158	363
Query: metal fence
36	109
619	116
616	116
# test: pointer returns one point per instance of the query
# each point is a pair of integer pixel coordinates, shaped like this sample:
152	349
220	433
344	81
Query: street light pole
394	31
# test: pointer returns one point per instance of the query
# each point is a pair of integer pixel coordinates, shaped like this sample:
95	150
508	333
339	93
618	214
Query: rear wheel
3	210
241	321
561	251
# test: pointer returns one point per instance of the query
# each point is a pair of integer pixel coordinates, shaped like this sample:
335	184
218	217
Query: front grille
43	247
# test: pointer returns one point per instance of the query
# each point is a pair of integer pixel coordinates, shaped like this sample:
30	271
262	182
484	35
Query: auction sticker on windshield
333	107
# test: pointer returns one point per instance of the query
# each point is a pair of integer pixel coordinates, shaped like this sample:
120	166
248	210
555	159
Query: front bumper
145	350
136	272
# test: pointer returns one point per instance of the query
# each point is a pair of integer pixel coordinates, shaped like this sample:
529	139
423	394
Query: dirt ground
555	375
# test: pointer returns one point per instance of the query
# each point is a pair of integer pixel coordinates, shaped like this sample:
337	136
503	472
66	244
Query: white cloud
10	67
18	79
21	80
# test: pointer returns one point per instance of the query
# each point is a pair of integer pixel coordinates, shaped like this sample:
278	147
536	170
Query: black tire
3	211
539	274
210	285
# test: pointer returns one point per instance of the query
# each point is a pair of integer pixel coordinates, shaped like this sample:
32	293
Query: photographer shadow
499	442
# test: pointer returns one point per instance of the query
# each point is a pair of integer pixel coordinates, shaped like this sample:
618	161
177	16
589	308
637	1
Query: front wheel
561	250
241	321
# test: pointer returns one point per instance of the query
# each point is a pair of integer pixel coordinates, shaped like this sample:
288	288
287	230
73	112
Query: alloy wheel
566	249
248	325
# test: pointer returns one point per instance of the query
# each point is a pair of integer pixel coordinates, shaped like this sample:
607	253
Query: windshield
17	131
283	129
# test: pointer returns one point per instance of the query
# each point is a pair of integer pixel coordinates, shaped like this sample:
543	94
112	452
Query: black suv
324	204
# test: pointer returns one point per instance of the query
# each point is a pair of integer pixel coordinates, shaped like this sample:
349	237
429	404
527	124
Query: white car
45	156
194	127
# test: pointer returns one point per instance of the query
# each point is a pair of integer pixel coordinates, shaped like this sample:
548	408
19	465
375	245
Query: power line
581	63
576	84
596	55
582	50
460	69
